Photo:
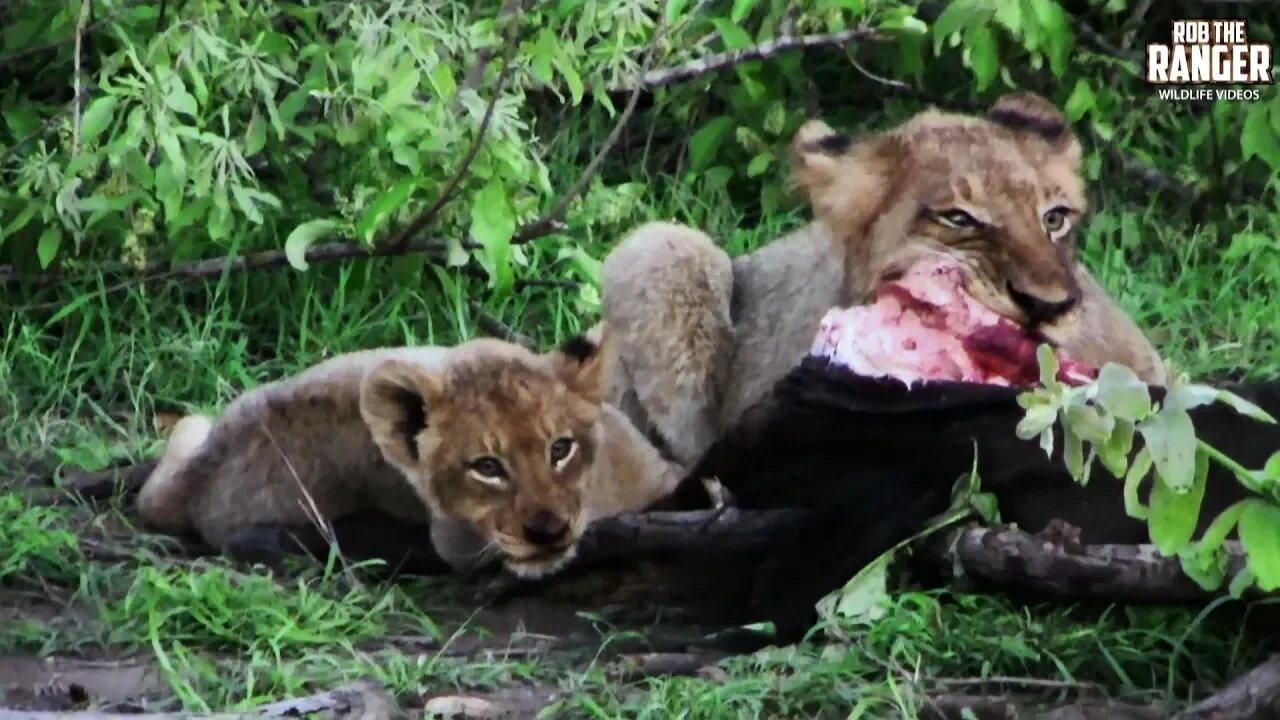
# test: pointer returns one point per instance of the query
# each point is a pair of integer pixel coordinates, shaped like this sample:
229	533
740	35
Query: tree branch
763	51
512	40
550	222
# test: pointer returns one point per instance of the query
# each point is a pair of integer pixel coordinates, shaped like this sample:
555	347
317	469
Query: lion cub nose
545	528
1040	311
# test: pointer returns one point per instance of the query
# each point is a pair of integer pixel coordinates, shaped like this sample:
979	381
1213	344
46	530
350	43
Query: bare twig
549	222
763	51
77	79
475	75
451	188
494	327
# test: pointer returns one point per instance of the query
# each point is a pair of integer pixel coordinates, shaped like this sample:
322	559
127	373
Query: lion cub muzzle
545	529
1040	311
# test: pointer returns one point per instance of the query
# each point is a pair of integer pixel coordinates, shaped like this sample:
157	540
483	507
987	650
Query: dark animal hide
871	463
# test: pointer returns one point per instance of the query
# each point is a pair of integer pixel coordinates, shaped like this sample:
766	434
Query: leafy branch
1099	422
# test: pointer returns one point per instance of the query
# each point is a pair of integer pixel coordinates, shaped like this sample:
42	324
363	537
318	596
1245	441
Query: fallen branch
363	700
1014	558
1256	694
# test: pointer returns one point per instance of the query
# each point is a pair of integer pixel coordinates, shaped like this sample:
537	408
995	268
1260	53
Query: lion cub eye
958	219
488	470
1056	221
561	449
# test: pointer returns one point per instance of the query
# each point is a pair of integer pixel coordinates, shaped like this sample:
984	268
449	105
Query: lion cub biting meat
503	452
696	336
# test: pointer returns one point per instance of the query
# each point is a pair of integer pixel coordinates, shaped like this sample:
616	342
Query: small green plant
1100	420
35	543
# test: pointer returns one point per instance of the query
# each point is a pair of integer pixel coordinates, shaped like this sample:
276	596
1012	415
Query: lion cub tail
162	501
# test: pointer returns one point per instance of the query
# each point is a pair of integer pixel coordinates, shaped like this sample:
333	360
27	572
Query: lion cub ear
847	179
1033	116
396	398
579	364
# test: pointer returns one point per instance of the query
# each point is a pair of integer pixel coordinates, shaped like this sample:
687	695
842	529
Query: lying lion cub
507	453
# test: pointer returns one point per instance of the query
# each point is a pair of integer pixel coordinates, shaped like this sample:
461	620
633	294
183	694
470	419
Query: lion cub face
1002	194
500	438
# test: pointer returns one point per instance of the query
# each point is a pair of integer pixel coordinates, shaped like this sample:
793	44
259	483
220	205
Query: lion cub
504	453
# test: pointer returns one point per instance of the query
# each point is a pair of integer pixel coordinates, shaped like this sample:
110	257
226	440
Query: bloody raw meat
924	326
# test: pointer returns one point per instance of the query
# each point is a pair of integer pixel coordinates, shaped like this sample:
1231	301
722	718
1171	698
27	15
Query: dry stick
451	188
363	700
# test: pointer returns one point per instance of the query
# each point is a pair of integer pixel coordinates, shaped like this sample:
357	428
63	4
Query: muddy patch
61	684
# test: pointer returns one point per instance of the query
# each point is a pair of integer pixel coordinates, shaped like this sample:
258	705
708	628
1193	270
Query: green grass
80	386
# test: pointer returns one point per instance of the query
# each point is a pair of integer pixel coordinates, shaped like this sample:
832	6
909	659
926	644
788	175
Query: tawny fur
394	430
693	337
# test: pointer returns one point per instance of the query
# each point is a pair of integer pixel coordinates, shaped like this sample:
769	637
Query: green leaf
1037	419
1115	451
1241	582
863	598
387	203
571	77
1073	452
173	151
22	121
984	55
1172	516
1258	138
544	53
759	164
255	136
1132	481
1082	100
741	8
1121	393
674	8
441	79
304	236
97	117
1271	470
1260	535
181	101
734	37
704	143
1048	367
492	225
1171	438
400	89
48	244
957	16
1088	424
1244	407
